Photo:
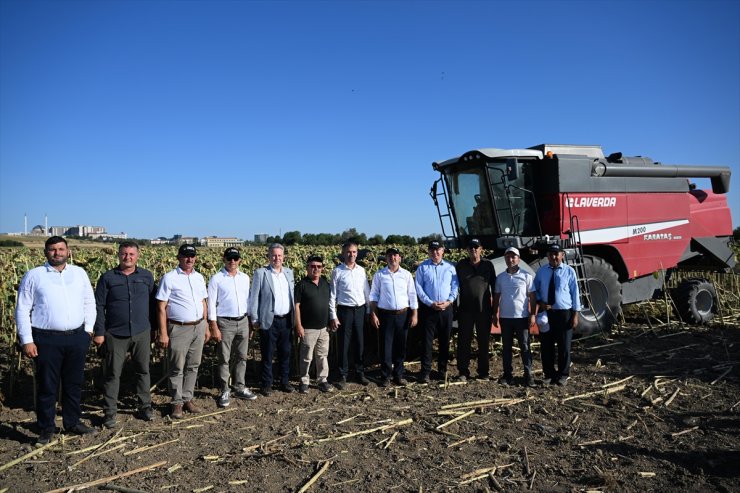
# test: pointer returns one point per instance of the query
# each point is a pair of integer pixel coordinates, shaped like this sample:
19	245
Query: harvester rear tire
696	301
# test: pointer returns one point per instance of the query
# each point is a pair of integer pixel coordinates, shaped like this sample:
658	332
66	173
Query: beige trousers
315	341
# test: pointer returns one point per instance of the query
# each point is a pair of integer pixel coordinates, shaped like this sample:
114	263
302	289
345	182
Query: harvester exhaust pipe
719	175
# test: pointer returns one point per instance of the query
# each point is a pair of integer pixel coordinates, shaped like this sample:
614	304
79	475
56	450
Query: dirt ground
644	410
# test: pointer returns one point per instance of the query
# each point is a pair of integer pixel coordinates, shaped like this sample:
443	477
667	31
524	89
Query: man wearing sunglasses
228	296
182	327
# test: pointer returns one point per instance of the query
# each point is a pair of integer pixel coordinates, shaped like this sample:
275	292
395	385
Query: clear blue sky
232	118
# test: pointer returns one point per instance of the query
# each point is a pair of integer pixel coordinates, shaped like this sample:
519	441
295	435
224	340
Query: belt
393	312
233	319
52	332
560	309
351	307
280	317
177	322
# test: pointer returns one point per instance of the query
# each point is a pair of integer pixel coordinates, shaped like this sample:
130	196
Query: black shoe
44	438
506	381
462	378
109	422
362	380
325	387
551	381
385	382
146	413
562	381
400	381
529	381
424	378
303	388
266	391
341	384
287	388
81	429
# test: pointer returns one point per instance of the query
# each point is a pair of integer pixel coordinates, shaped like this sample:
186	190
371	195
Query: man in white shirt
347	310
55	314
228	298
182	327
514	295
271	308
393	307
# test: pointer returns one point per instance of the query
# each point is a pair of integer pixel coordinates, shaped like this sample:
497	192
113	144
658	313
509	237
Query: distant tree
292	238
352	234
273	239
400	240
736	234
426	239
376	240
10	243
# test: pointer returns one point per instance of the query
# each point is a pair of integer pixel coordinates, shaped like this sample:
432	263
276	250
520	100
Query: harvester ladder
578	262
447	212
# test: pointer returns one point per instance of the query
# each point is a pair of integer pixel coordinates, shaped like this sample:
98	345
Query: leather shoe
109	422
529	381
287	388
425	378
362	380
191	407
177	411
385	382
341	384
266	391
146	413
44	438
400	381
81	429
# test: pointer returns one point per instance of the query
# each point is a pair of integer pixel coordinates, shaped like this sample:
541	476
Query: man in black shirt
123	296
475	275
311	321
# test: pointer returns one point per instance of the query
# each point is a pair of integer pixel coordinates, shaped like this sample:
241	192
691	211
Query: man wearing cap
311	321
123	297
55	315
393	307
272	310
557	292
515	299
228	298
475	275
182	327
436	287
347	310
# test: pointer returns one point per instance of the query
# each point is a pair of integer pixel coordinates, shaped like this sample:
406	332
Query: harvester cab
626	223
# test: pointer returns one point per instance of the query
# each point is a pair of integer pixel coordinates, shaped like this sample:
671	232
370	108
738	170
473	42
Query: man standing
271	309
123	297
436	286
557	292
182	327
228	298
393	304
347	310
514	296
311	320
475	275
55	315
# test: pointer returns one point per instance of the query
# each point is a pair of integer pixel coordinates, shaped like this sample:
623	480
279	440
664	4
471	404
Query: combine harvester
626	223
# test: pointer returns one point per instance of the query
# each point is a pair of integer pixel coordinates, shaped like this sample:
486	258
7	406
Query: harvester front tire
696	300
605	296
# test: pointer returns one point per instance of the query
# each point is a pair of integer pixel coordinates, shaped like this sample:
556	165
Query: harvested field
645	410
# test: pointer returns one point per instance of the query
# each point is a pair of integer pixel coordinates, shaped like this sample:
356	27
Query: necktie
551	290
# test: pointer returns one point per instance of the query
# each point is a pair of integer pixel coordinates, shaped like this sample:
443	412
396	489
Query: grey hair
274	246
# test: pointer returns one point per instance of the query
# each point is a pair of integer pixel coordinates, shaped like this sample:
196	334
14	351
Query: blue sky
232	118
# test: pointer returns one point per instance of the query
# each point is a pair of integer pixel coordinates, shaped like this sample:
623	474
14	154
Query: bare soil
670	422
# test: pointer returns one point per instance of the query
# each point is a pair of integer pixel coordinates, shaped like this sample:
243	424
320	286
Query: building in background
261	238
217	242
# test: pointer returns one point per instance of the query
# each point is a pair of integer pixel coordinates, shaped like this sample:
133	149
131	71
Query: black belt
52	332
176	322
351	307
280	317
393	312
233	319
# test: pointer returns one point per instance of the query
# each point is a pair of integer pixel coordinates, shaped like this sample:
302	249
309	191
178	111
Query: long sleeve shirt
436	282
53	300
184	294
349	287
566	286
393	290
228	296
124	302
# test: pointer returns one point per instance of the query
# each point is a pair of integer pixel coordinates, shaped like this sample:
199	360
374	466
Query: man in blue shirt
436	287
557	292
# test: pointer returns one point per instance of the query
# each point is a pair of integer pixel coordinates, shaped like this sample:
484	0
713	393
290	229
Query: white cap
542	322
513	250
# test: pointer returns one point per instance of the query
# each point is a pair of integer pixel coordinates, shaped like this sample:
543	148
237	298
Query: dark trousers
61	358
560	333
116	351
436	324
394	329
276	340
352	326
519	327
465	324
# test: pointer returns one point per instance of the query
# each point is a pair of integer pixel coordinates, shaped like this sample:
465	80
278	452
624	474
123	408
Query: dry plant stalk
27	456
150	447
96	482
315	477
458	418
364	432
605	392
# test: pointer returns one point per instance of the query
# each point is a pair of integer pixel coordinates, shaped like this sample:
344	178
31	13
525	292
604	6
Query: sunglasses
316	266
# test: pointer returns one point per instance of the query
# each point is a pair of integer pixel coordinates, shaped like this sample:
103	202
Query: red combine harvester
626	223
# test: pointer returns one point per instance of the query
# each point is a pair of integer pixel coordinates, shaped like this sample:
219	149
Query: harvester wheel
696	300
605	296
